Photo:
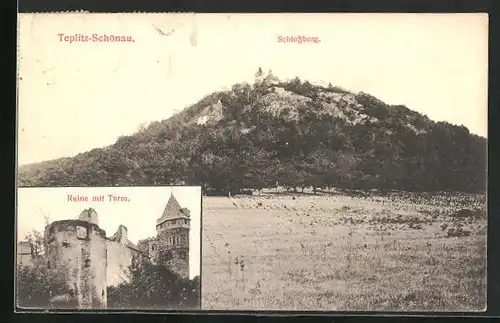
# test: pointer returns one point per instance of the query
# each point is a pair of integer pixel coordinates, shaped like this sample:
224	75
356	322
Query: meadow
338	252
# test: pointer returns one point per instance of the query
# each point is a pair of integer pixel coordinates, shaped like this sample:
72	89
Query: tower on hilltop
173	238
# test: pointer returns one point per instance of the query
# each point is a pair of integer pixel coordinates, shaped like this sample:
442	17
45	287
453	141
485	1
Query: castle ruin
90	262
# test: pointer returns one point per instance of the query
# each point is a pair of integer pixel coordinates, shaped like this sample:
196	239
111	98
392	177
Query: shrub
37	284
155	287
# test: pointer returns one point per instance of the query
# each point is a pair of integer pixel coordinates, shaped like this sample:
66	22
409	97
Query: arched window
153	247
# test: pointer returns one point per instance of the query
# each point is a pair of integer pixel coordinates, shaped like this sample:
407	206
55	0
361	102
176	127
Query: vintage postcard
341	158
108	248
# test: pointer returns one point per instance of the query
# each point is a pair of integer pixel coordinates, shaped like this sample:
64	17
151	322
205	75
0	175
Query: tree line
251	147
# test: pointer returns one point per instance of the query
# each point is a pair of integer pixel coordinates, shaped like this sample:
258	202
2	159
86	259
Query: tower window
153	247
81	232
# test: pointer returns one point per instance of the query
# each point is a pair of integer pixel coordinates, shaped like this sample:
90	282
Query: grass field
337	252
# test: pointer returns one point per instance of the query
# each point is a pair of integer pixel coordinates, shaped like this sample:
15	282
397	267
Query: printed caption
299	39
97	198
94	38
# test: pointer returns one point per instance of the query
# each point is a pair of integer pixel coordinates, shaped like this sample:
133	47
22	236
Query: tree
35	240
37	284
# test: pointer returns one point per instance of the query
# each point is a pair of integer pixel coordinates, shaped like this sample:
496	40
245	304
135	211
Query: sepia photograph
108	248
341	158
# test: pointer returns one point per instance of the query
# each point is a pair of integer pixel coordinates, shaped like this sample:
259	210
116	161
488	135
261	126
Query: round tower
76	250
173	238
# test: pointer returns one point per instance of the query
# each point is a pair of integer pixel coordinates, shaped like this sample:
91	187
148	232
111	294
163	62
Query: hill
291	133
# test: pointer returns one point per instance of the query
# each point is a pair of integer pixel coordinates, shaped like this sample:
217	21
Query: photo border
18	310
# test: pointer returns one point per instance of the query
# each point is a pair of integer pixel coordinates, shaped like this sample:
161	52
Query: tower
173	238
89	215
76	252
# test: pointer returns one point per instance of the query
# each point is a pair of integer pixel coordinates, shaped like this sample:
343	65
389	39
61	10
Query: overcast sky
79	96
139	215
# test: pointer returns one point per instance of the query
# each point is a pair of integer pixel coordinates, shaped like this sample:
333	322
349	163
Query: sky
139	215
74	97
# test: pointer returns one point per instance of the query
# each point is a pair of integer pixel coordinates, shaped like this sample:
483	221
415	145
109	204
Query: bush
155	287
37	284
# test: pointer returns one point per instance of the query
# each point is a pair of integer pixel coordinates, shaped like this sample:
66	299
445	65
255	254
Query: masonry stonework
75	249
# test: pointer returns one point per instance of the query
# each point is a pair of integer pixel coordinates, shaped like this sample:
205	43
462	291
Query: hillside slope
292	133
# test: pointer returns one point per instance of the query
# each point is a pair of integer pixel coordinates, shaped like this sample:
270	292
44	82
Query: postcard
340	161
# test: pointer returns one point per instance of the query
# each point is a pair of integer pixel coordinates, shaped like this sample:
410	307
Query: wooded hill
288	133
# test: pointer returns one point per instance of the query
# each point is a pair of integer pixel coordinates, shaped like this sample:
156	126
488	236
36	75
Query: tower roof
173	211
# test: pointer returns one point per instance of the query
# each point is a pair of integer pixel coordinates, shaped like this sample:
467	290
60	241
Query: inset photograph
108	248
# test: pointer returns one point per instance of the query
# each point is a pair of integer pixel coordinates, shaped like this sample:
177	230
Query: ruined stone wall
25	260
76	250
24	256
119	260
98	270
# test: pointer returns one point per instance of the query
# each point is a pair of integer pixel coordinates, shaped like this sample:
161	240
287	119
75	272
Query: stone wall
119	260
76	250
24	256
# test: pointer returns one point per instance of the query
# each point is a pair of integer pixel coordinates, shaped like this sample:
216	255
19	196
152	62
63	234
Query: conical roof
172	211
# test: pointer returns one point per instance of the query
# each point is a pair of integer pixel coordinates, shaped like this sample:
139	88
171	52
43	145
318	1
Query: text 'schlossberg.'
95	38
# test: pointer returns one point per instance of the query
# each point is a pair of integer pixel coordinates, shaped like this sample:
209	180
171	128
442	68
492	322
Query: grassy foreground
337	252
